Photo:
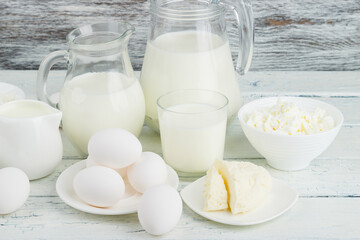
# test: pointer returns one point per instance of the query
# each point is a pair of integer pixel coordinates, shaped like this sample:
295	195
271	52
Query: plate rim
233	223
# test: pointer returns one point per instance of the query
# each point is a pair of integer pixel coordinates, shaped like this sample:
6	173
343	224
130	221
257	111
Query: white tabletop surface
329	189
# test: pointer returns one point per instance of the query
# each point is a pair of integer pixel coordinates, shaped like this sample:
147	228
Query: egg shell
150	170
160	209
14	189
114	148
90	163
99	186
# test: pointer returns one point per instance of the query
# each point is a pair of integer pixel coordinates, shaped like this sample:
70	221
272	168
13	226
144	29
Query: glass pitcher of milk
100	90
188	48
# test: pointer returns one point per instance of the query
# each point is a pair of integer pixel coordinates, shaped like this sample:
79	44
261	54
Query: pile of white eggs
116	155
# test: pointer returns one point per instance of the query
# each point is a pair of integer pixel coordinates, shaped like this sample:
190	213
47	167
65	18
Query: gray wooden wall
290	34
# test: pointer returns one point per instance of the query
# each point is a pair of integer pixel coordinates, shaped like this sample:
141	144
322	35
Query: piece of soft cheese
248	184
215	191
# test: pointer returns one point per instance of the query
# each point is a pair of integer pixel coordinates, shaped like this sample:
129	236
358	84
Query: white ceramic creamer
29	137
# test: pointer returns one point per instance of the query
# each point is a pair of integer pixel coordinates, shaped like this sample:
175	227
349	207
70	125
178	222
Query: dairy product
215	191
192	142
98	100
247	185
188	60
288	118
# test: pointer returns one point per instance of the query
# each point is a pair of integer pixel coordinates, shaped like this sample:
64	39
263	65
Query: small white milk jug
29	137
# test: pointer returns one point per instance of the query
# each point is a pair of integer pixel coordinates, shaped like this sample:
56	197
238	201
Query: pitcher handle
43	74
245	22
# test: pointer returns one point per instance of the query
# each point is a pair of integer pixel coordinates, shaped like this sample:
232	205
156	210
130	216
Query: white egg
148	171
114	147
160	209
99	186
14	189
90	163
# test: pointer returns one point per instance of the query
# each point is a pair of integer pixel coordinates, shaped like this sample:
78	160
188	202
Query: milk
24	109
188	60
94	101
192	142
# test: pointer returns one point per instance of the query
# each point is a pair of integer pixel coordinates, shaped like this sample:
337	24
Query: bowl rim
262	99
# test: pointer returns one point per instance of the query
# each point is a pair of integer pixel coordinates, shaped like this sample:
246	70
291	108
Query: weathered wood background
290	34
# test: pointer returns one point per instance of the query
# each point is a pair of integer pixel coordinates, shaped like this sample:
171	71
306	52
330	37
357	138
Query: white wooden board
329	203
310	218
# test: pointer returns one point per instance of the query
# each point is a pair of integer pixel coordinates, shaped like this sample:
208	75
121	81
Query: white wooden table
329	203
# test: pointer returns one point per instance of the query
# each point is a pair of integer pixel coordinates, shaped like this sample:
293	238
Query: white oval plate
128	204
281	198
9	92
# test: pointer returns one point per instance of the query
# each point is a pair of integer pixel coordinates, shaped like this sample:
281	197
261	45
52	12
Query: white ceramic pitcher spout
30	137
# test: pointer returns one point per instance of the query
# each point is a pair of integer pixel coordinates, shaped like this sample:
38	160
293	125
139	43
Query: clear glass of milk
192	129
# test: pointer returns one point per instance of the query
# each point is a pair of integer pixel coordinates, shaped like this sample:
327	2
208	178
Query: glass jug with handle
100	89
188	48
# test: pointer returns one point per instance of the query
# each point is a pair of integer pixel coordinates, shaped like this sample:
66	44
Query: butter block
215	192
248	184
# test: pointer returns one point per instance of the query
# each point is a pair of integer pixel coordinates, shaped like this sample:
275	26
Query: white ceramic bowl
9	92
285	152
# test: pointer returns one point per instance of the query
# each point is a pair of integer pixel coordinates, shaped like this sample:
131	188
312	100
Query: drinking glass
192	129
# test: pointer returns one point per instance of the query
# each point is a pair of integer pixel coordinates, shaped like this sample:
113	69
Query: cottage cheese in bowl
290	132
290	119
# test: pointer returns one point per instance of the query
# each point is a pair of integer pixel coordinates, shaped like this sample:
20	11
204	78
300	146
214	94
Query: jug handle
43	74
245	22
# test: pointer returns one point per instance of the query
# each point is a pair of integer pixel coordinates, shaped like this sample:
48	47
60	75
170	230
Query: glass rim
224	105
118	35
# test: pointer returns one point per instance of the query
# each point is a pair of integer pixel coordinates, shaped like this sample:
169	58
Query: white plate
128	204
9	92
281	198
